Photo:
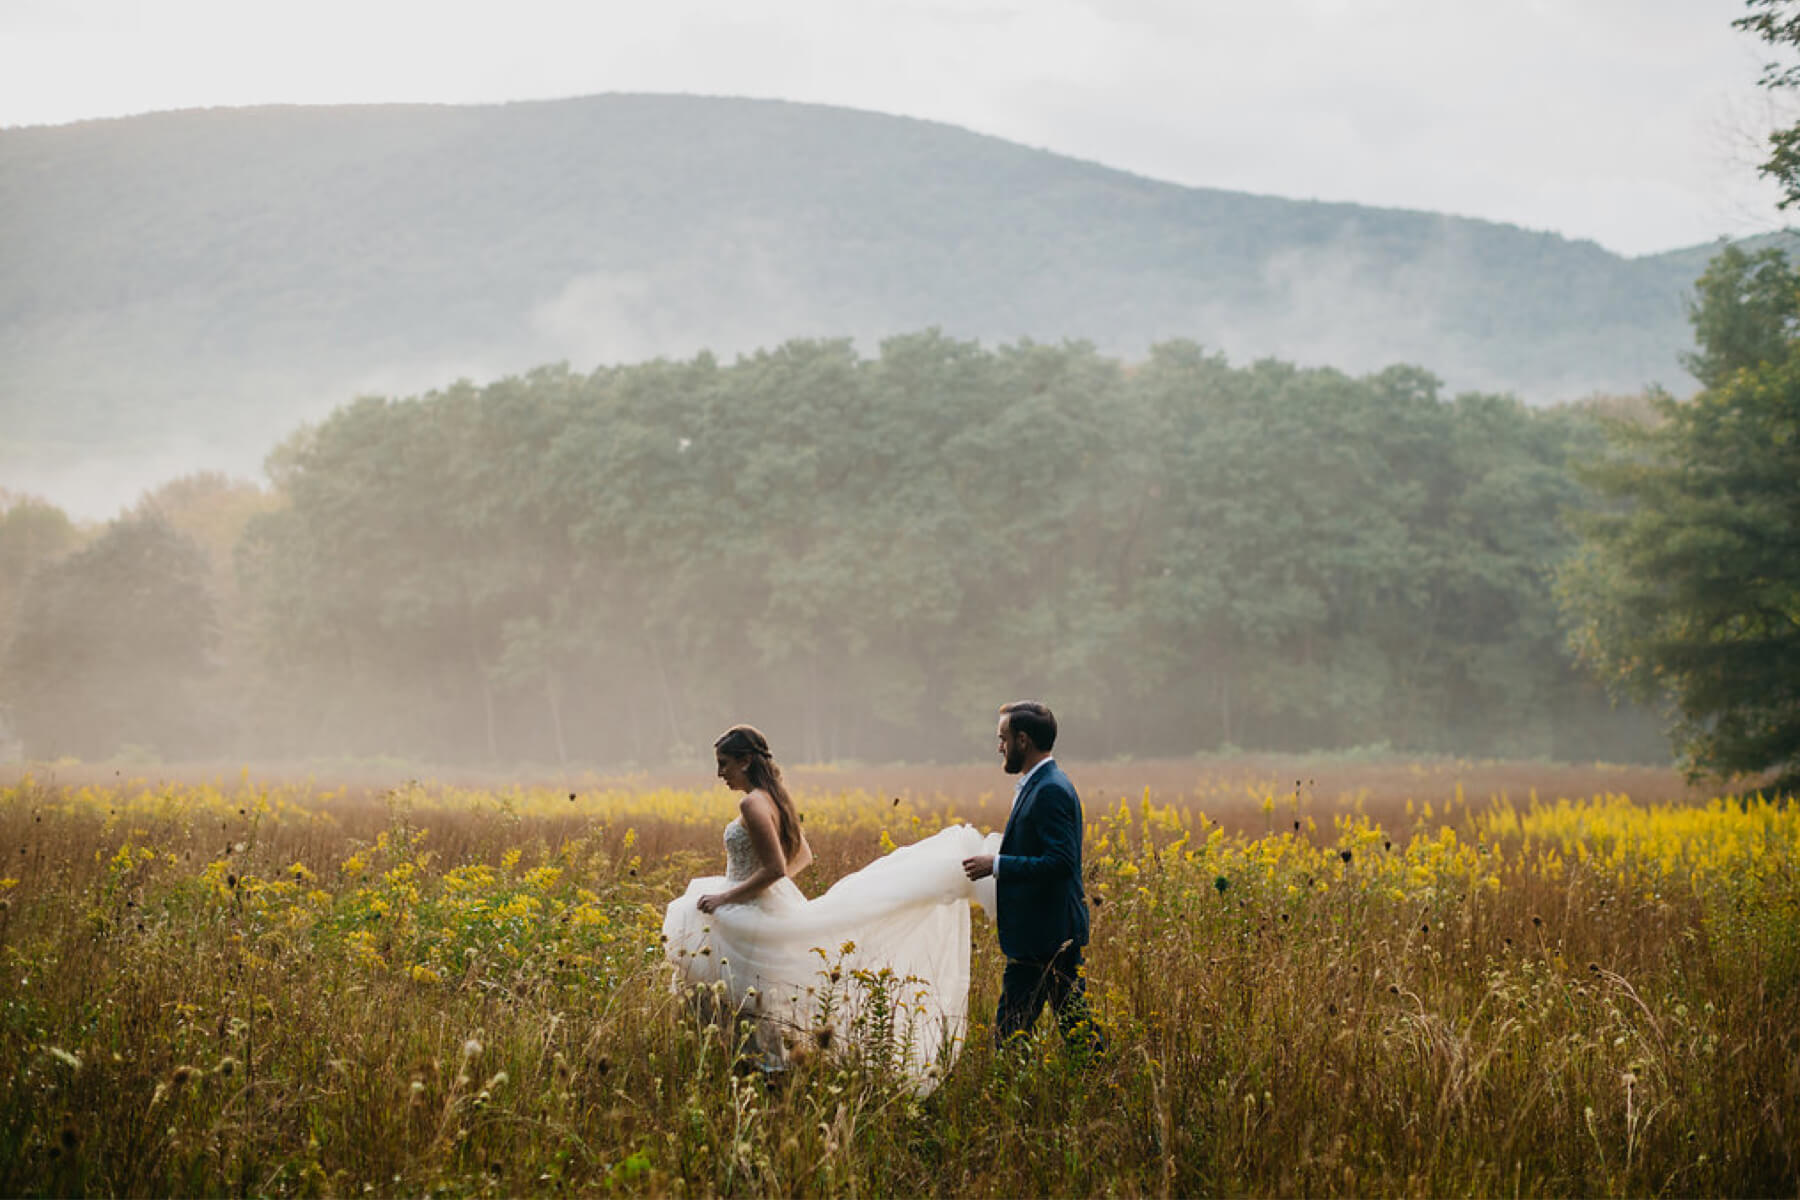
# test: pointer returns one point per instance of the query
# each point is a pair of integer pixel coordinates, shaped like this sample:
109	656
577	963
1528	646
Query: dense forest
863	554
186	287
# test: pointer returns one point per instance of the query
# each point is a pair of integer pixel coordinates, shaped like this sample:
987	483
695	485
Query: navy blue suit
1041	911
1037	879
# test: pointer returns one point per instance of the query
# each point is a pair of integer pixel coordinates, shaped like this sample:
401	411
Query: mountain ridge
209	278
1682	250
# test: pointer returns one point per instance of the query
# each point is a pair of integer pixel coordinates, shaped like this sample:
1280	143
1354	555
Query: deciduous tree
109	643
1689	585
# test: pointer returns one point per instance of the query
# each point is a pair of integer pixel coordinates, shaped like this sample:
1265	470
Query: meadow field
1327	978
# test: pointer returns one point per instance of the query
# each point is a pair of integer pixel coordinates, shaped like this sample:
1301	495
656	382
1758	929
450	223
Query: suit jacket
1039	901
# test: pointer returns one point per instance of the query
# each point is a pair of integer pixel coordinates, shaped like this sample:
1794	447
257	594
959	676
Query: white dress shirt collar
1019	787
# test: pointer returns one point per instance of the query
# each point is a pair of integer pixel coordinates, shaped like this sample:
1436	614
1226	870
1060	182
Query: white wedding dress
879	964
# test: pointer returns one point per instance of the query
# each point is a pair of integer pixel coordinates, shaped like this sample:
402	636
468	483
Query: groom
1041	912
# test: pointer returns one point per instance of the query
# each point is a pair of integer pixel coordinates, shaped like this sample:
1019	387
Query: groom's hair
1034	720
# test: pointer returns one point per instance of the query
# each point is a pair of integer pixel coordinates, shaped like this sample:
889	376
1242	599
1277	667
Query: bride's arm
802	858
758	812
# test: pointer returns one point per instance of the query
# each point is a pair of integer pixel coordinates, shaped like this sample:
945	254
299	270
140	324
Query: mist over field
864	555
568	433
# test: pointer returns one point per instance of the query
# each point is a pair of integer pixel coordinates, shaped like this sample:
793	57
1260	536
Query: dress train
878	964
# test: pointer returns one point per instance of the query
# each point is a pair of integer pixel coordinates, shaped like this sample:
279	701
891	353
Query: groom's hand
979	867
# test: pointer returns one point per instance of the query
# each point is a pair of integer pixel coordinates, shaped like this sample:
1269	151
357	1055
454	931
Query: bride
880	962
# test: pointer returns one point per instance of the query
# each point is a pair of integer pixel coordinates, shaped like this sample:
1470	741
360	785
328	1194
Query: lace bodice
740	852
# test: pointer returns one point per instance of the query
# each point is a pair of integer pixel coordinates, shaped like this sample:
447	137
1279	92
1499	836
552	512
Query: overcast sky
1636	123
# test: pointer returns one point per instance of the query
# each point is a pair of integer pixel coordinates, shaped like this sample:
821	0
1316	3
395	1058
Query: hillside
1690	261
186	287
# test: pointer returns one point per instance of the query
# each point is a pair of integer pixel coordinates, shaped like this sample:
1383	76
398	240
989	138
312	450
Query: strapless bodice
740	852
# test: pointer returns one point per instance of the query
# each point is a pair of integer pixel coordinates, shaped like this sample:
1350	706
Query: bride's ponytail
747	742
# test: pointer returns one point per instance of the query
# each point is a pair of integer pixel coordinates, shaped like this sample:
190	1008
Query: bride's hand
710	902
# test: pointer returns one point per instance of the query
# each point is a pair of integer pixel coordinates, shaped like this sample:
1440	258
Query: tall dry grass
284	990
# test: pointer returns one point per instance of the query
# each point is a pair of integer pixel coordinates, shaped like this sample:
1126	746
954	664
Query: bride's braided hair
748	743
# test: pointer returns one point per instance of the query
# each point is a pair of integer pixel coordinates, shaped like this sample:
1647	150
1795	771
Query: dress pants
1027	985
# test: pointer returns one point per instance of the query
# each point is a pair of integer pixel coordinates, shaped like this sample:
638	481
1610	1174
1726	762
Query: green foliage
1777	22
1744	314
866	555
1689	585
32	533
108	643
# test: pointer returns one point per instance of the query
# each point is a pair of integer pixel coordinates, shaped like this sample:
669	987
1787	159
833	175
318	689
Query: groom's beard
1015	761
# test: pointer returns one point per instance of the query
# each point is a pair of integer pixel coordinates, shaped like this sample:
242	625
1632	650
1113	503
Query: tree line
864	554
